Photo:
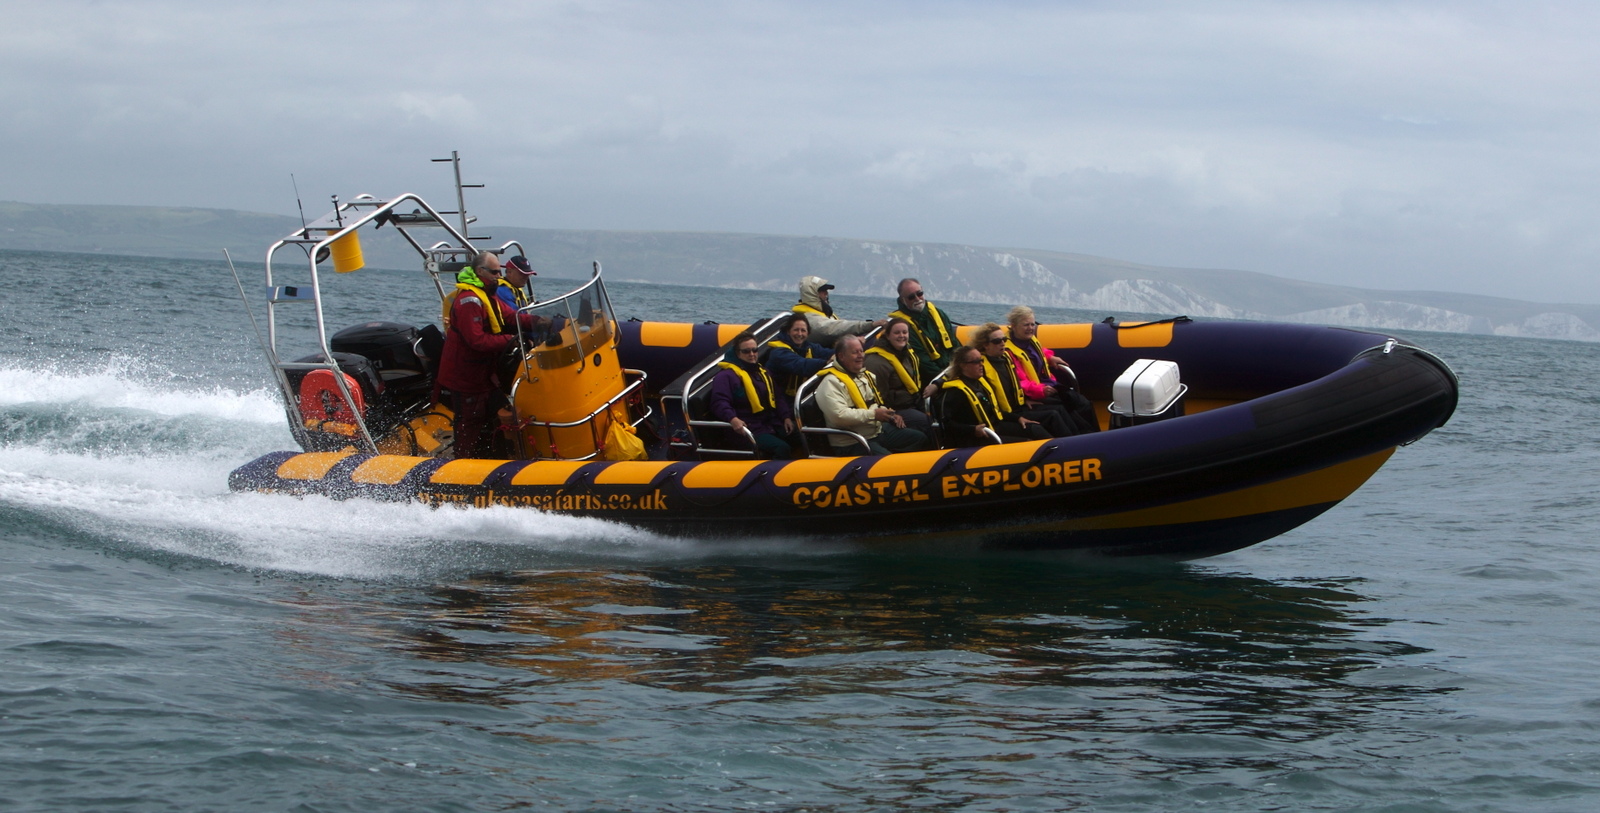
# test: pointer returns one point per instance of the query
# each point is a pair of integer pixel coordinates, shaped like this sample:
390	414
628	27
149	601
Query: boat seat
707	437
715	439
430	348
814	427
935	421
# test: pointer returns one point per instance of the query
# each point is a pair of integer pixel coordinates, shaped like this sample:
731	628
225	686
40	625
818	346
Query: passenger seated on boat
967	405
990	340
827	328
743	395
897	368
1045	377
933	335
481	333
848	398
792	357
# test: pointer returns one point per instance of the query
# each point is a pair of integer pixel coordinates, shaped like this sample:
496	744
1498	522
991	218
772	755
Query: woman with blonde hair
1040	371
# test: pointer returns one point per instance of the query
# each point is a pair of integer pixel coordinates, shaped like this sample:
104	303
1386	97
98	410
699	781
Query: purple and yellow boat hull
1284	422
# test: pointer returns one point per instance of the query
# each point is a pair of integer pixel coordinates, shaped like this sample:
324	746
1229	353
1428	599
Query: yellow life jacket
785	345
937	350
518	294
998	374
792	384
908	378
750	392
490	311
850	386
1027	360
985	413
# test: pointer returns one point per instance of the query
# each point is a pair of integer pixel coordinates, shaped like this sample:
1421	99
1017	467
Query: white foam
127	383
177	502
352	538
111	474
183	507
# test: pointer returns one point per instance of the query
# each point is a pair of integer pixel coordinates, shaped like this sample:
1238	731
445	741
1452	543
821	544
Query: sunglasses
916	295
751	350
1001	340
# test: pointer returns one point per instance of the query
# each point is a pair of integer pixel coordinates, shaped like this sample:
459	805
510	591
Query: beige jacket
840	412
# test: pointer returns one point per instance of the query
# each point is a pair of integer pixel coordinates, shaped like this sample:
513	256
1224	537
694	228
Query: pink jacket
1030	390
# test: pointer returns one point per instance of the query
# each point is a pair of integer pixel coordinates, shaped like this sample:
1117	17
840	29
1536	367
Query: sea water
1427	645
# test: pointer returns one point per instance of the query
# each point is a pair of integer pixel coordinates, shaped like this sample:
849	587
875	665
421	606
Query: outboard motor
359	372
395	352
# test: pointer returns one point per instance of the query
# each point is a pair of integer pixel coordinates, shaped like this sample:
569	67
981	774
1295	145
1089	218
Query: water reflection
1020	647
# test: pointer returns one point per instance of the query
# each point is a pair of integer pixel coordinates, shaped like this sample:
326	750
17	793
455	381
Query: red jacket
470	353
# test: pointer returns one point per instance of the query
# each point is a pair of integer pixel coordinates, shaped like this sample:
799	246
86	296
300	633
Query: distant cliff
973	274
870	267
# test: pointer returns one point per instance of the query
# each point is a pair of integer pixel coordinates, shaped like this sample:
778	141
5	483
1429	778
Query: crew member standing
481	331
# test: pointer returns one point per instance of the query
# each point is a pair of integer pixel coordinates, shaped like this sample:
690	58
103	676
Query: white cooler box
1149	390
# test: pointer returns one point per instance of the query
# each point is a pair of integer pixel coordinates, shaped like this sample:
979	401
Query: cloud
436	107
1405	145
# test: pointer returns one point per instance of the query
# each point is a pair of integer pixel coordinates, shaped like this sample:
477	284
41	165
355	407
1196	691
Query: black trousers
1010	431
1078	409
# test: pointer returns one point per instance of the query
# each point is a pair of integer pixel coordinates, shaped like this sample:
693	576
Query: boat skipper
933	335
481	332
827	328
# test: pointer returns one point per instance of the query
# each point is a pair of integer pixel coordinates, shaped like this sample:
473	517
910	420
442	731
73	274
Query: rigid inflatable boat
1277	424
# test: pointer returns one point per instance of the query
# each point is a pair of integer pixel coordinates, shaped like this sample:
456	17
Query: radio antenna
297	203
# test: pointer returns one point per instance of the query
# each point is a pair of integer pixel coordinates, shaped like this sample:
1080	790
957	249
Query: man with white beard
933	335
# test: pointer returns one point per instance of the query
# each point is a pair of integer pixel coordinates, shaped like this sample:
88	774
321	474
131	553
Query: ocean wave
128	457
125	382
181	507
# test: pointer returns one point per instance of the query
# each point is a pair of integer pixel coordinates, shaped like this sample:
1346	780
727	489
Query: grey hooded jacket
825	330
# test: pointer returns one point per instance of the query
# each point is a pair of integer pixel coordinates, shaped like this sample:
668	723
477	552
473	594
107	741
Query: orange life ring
321	400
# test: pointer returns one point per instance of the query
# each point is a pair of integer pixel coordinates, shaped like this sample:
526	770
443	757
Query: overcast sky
1448	146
